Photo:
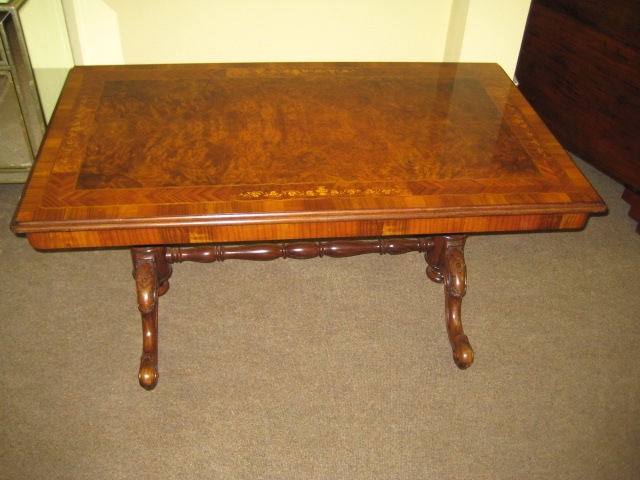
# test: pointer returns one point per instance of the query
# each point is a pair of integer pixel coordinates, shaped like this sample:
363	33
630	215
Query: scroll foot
148	373
445	258
151	273
462	352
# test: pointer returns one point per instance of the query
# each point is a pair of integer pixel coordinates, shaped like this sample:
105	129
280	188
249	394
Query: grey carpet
328	368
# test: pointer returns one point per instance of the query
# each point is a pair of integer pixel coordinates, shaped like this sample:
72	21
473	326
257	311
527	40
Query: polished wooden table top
183	154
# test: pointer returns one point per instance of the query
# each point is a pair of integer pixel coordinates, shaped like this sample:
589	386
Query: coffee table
213	162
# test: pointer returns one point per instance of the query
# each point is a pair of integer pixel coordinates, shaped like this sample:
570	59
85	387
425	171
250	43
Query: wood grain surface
181	154
579	66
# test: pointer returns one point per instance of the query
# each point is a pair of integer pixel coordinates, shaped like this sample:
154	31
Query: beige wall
45	31
284	30
158	31
166	31
493	32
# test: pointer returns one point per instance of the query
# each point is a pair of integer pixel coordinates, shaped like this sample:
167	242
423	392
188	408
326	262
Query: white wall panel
163	31
493	32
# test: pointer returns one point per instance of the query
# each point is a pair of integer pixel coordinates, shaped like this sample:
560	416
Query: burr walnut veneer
264	161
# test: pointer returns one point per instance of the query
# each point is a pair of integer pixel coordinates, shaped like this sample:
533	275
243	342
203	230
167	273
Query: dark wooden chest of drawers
579	66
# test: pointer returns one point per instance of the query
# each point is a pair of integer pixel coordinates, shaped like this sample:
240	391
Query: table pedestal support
152	270
447	265
151	273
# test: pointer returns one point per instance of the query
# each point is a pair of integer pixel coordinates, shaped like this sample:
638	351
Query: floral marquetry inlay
321	191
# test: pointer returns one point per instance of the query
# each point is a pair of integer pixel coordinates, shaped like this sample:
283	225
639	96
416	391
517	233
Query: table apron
123	237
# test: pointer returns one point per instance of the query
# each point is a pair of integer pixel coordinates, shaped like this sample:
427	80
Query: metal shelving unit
22	122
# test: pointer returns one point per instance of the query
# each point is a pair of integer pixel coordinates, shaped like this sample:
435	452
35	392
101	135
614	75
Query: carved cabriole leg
151	273
446	265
